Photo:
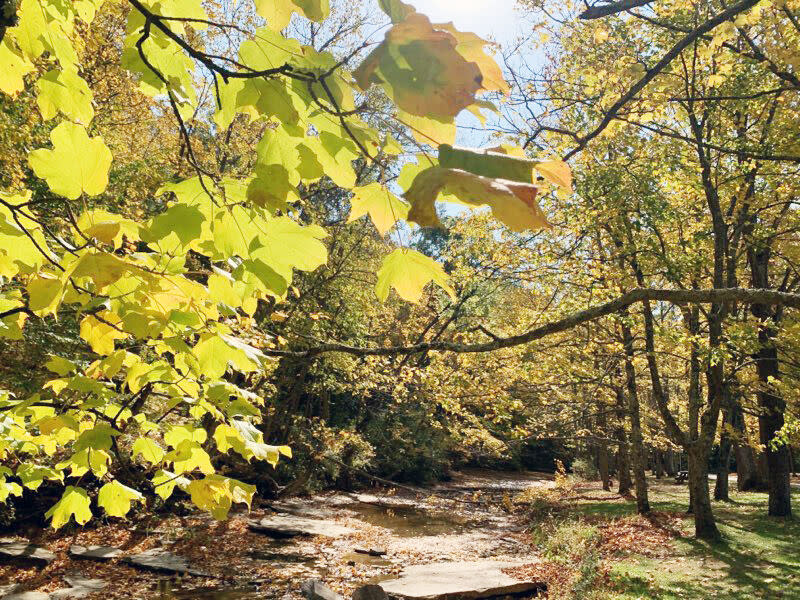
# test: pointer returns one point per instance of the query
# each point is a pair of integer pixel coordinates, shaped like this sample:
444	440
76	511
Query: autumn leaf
74	503
408	272
116	498
383	207
421	70
76	164
512	203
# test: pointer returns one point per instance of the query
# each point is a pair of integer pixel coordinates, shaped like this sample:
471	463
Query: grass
758	557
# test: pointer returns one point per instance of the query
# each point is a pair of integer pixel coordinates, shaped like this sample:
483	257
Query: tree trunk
623	459
658	463
637	443
602	449
705	527
770	401
770	423
748	476
721	489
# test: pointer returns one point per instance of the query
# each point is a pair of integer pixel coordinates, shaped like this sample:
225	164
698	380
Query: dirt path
456	521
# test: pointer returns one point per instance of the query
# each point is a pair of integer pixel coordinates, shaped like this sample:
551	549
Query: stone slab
458	581
80	587
286	526
28	596
101	553
25	551
163	562
314	589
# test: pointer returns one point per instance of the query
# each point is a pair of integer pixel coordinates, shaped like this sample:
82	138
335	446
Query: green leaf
74	503
511	202
279	12
116	498
286	245
148	449
408	272
383	207
165	483
60	365
487	163
76	164
63	90
396	10
214	353
419	67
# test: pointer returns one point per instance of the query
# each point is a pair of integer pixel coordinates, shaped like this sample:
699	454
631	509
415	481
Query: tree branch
687	296
605	10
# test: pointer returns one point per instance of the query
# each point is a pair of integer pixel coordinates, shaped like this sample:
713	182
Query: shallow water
409	521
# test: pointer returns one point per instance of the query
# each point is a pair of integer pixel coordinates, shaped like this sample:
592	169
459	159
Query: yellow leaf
511	202
101	334
408	272
556	172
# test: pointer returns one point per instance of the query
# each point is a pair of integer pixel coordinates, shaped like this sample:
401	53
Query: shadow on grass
758	557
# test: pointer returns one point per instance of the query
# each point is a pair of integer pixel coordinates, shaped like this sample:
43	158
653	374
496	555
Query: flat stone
370	592
286	526
26	551
163	562
458	581
80	587
8	589
94	552
370	551
314	589
28	596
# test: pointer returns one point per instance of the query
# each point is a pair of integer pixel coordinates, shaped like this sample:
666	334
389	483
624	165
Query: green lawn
759	557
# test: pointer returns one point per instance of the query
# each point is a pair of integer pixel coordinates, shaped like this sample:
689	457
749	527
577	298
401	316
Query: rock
26	551
458	580
94	552
370	551
164	562
81	587
314	589
285	526
6	590
28	596
370	592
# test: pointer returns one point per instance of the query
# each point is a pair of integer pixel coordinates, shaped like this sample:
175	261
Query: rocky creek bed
453	543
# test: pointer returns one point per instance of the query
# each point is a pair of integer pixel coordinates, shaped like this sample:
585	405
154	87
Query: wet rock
314	589
25	551
370	592
458	580
163	562
102	553
370	551
285	526
80	587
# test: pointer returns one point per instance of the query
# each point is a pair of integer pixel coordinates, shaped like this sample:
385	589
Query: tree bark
748	475
705	526
770	401
602	450
770	423
623	459
721	489
637	442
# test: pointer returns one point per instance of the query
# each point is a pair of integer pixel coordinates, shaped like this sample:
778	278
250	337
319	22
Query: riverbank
582	541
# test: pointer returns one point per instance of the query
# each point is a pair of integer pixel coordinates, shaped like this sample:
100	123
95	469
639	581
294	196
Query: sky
487	18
